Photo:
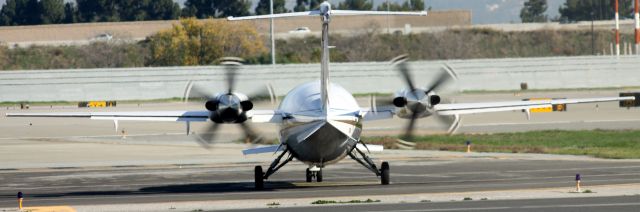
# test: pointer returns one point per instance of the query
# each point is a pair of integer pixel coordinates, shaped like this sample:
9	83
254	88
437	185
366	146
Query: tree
19	12
133	10
355	5
533	11
194	42
51	11
583	10
199	8
391	6
163	10
305	5
8	13
409	5
70	13
98	10
236	8
264	7
413	5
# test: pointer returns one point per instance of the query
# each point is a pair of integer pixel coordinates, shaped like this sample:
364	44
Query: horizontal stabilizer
264	149
318	13
370	148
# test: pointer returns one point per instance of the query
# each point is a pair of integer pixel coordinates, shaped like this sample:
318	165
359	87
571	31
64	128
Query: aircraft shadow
183	188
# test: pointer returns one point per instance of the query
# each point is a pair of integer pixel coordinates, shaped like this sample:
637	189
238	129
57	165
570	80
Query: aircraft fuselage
318	137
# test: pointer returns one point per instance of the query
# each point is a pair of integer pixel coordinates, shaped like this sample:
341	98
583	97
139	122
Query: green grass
549	90
322	202
623	144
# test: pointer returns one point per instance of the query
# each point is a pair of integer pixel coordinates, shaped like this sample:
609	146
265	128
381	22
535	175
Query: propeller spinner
418	102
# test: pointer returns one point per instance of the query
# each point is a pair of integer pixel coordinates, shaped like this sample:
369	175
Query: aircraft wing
258	116
374	114
485	107
265	116
128	116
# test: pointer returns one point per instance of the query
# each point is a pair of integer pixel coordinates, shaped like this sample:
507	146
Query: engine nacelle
228	108
434	100
415	103
211	105
246	105
400	101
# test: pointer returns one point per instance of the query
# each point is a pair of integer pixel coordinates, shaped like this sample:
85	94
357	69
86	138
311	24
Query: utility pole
593	42
637	18
388	24
273	42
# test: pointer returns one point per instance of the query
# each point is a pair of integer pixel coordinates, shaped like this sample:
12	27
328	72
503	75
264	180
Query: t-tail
325	12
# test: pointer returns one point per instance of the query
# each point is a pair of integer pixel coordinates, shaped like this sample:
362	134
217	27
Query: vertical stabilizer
325	10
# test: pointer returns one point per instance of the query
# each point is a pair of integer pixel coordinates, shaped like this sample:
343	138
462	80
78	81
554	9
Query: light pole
273	42
388	23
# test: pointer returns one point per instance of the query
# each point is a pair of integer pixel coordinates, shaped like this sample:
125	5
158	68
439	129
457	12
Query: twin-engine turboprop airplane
321	122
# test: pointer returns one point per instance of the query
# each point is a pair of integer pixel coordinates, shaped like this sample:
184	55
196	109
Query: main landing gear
365	161
260	176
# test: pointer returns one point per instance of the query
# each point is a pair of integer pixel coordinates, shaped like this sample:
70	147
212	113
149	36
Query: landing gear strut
314	172
365	161
260	176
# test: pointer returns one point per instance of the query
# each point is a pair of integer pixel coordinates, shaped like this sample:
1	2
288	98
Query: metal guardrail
360	77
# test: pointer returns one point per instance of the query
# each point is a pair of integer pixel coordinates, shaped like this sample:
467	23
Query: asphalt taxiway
84	164
434	176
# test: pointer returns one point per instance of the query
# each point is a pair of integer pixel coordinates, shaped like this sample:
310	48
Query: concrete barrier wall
365	77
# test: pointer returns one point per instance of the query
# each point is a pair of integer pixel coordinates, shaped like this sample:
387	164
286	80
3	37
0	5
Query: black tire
384	173
309	176
319	176
259	180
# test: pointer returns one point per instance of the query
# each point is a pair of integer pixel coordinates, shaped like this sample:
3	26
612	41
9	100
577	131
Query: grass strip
613	144
322	202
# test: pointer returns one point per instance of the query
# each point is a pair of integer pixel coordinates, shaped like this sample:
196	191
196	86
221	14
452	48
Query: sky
483	11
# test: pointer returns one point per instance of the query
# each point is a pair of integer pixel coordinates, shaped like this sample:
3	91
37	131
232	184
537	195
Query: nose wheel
259	180
384	173
314	173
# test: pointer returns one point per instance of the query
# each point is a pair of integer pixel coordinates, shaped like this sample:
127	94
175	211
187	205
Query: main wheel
309	176
319	176
259	180
384	173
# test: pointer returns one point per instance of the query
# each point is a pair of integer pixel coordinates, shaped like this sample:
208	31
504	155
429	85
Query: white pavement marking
518	207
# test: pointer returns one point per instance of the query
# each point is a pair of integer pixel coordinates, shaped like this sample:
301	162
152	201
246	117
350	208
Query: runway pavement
87	165
432	174
619	204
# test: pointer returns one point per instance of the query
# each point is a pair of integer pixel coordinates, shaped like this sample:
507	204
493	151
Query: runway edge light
468	146
578	178
20	198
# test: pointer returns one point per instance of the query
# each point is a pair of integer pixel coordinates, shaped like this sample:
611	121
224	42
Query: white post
273	42
617	29
188	127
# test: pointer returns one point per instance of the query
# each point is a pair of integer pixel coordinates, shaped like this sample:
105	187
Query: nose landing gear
314	172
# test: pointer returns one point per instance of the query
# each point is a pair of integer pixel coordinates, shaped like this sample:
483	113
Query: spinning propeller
419	102
227	107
